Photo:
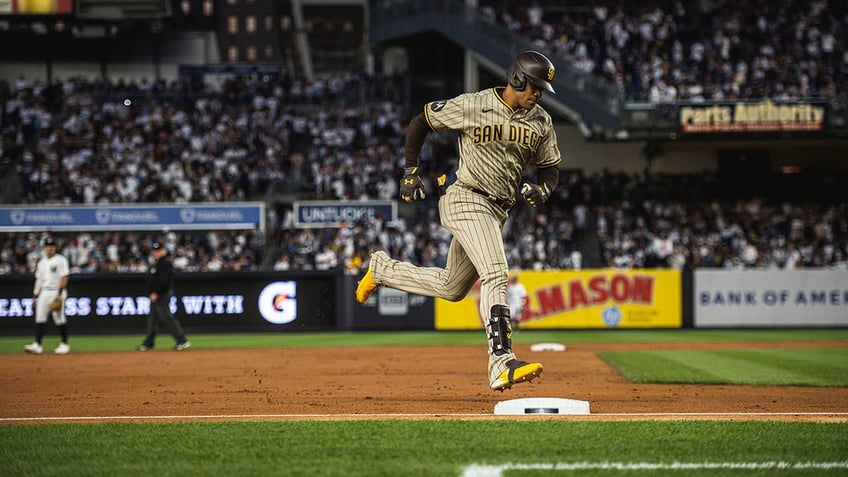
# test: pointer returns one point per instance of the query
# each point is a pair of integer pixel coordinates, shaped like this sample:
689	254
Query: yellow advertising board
604	298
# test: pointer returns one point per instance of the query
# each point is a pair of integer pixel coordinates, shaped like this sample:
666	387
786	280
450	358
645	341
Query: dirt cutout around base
373	383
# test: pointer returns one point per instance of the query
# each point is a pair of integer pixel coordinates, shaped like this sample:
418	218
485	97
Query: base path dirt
371	382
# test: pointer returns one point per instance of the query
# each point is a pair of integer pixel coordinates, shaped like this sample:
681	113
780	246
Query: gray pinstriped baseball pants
476	252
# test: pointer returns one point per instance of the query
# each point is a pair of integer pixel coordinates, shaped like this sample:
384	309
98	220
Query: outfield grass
427	448
783	367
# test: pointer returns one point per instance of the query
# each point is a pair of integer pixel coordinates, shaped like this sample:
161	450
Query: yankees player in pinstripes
502	130
51	280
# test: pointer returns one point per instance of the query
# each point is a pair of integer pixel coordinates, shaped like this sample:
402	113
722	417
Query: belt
504	204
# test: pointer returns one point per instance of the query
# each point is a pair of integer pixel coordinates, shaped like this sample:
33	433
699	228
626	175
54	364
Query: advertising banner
766	298
389	309
36	7
583	299
745	116
232	70
332	213
208	302
222	216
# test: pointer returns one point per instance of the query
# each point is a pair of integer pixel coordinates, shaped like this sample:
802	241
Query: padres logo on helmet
531	66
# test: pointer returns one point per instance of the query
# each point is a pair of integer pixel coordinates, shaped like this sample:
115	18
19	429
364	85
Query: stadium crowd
745	234
693	50
95	142
78	141
631	232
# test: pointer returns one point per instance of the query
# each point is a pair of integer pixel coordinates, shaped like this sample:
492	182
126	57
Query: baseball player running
51	282
502	130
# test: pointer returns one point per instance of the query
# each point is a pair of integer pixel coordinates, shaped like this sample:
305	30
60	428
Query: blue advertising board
222	216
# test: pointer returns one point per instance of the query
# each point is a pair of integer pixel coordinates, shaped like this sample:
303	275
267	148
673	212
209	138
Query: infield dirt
373	382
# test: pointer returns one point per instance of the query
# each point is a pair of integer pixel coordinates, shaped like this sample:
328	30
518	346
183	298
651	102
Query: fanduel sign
239	216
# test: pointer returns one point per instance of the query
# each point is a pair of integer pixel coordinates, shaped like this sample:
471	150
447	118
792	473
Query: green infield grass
84	343
508	448
778	366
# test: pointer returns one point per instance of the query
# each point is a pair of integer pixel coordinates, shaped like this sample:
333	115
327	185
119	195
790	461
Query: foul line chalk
598	416
476	470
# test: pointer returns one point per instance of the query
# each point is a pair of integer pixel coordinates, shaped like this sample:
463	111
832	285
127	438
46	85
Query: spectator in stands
691	50
174	147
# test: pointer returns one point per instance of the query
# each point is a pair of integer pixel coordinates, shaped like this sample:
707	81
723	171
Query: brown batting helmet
531	66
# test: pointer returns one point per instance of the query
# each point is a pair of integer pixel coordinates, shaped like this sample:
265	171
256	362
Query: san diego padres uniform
496	143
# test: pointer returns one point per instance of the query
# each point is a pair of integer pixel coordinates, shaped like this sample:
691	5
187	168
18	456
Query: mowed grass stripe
800	367
825	366
749	367
406	447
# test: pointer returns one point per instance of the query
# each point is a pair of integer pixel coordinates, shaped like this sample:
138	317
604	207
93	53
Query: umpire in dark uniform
160	287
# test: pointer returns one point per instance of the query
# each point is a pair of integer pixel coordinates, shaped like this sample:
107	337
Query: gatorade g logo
278	302
550	74
437	105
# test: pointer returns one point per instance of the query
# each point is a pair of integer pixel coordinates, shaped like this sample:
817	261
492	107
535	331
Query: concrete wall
694	156
591	157
120	60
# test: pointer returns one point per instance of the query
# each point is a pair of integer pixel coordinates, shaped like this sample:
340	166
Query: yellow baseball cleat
366	286
516	372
